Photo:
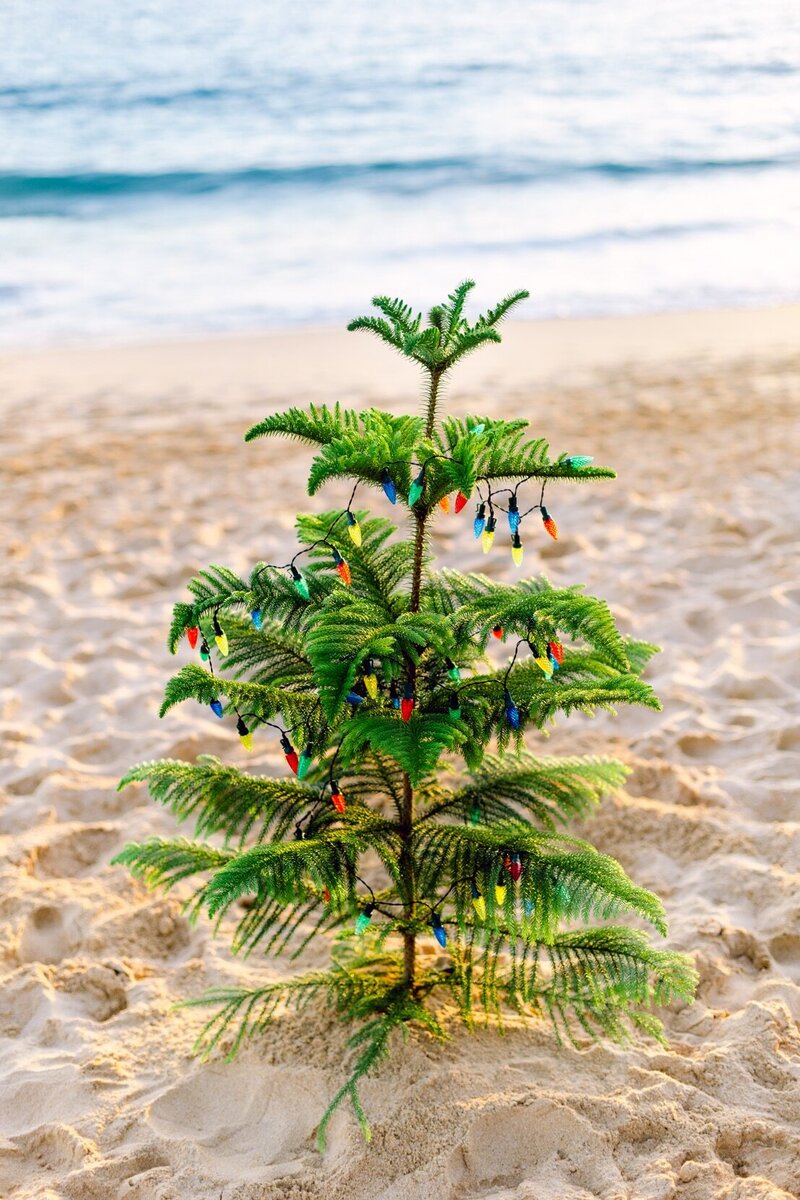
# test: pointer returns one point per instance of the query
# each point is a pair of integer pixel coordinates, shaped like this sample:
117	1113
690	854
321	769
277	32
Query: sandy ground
124	472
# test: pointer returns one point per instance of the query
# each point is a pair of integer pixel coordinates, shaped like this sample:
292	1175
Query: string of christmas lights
484	524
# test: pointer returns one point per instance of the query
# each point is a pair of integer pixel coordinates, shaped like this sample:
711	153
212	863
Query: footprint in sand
49	934
542	1141
785	949
74	853
240	1118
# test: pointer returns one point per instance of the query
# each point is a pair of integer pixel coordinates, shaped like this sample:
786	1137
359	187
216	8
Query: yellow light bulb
500	893
371	684
487	537
354	529
222	641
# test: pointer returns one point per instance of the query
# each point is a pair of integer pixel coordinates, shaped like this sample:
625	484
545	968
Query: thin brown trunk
407	819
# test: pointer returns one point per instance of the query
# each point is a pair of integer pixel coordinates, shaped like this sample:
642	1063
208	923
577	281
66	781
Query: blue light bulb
438	928
512	712
387	483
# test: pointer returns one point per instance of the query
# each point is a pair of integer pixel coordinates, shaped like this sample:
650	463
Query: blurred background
170	168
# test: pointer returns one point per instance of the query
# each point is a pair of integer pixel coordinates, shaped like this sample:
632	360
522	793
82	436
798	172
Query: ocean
169	168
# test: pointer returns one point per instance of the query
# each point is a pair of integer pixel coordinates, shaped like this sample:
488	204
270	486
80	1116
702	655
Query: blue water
168	167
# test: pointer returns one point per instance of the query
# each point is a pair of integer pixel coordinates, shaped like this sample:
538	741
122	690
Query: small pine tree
374	664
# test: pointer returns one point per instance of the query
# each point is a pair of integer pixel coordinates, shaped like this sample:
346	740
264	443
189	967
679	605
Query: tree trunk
407	821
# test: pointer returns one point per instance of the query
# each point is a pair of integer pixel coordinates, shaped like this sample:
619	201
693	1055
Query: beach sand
124	472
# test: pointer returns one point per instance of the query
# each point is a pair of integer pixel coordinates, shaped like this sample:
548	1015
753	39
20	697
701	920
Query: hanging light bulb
461	500
543	663
342	568
365	918
498	632
216	708
454	707
478	902
245	734
415	491
512	712
304	762
475	814
556	651
256	617
394	695
480	519
578	460
513	513
220	637
370	679
549	524
438	929
407	703
387	483
192	633
452	670
353	528
500	894
205	653
516	550
444	504
337	797
290	753
299	582
487	537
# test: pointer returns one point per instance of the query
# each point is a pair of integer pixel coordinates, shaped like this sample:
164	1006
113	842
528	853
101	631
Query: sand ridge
695	547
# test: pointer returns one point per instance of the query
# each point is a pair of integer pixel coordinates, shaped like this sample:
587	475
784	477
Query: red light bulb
337	797
407	703
290	753
342	567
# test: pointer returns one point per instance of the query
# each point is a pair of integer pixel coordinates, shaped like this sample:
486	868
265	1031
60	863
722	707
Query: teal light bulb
415	491
365	919
304	763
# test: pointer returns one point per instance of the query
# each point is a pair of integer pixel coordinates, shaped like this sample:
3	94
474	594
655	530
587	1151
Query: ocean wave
391	174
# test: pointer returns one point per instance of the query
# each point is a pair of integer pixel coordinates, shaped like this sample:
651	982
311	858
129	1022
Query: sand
124	471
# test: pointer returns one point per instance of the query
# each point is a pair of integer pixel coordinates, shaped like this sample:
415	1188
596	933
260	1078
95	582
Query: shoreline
281	361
